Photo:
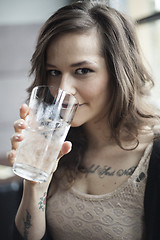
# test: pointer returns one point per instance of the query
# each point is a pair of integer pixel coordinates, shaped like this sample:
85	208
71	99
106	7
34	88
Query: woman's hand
20	125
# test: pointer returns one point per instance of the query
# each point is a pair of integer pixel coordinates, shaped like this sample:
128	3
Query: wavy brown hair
129	80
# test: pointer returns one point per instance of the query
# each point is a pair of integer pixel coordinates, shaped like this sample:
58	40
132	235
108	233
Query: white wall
27	11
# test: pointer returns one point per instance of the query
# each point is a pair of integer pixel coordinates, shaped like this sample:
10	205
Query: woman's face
74	64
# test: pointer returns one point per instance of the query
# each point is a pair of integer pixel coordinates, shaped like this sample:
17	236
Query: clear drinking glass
48	122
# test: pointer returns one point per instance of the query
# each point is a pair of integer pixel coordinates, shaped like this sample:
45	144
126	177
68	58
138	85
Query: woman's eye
83	71
54	73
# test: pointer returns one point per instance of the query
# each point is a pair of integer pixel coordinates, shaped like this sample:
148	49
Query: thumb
66	148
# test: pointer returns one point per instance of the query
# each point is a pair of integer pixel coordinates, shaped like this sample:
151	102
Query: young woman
100	187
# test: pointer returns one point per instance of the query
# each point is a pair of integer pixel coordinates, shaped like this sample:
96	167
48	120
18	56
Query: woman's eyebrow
78	64
50	65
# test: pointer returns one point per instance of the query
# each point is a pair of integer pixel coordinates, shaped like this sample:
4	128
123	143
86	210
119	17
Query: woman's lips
66	105
81	104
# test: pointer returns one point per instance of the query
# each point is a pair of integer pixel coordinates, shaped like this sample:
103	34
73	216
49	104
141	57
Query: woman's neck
98	134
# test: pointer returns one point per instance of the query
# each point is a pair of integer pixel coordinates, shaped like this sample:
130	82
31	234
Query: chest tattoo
109	171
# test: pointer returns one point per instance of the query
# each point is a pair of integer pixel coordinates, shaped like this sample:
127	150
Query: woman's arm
15	235
30	219
31	215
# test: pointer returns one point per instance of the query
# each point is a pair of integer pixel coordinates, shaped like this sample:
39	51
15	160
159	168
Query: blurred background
20	22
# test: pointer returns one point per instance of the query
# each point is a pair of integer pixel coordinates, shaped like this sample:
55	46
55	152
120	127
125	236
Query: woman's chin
76	123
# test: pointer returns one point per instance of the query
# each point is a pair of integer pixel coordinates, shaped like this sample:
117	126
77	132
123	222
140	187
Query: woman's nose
68	85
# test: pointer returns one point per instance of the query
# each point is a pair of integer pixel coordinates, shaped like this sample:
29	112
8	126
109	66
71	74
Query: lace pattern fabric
112	216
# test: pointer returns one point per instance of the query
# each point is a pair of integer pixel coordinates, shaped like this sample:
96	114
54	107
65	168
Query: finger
19	125
66	148
24	111
16	138
11	156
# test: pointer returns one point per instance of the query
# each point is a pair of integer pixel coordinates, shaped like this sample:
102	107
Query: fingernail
17	137
20	124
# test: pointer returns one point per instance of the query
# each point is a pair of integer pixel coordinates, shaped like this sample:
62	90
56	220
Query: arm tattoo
108	171
42	202
27	225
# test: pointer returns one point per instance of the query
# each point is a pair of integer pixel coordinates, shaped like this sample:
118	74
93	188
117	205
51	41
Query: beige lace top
73	215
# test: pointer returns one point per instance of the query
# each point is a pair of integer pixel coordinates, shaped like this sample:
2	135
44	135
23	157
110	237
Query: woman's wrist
35	186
